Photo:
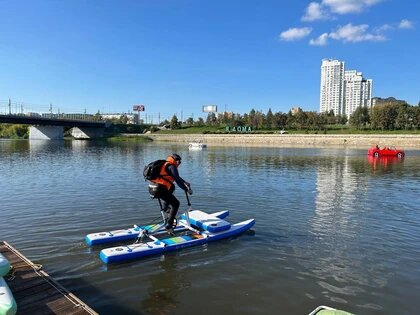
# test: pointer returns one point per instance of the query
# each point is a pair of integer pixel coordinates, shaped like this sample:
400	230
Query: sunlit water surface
332	227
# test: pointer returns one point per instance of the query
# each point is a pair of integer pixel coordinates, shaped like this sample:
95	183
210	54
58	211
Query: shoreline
363	141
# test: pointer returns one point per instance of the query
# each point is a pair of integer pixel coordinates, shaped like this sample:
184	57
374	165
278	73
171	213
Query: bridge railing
75	116
7	107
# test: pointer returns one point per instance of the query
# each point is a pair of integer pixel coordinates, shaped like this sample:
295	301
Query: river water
332	227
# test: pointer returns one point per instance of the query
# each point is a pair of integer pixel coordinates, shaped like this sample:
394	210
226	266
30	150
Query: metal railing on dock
35	291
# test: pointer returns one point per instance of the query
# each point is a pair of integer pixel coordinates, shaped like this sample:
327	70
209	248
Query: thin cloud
349	6
348	33
384	28
327	8
405	24
355	33
314	12
320	41
295	33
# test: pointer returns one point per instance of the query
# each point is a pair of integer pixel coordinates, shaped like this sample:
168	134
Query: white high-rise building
343	91
358	91
332	86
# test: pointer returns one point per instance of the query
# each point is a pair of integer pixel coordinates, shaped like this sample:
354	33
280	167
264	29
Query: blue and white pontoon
4	266
195	228
7	301
133	233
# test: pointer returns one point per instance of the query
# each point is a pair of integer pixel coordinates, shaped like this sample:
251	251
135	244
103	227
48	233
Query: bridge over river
52	128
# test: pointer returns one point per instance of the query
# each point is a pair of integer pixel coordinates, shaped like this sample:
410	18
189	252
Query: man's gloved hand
189	190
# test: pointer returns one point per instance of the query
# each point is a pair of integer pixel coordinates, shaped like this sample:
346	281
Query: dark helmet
176	157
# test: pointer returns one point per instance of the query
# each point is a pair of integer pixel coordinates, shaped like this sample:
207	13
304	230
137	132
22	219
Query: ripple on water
330	227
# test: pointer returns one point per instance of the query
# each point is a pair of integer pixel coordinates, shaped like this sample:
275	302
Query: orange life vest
164	178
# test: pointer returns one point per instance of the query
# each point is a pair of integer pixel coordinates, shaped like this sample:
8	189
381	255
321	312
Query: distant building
332	86
358	91
74	116
295	110
131	118
228	115
342	91
32	114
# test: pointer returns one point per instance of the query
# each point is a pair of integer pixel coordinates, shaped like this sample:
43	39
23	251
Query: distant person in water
163	188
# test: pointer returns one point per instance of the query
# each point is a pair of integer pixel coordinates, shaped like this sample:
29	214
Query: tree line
393	115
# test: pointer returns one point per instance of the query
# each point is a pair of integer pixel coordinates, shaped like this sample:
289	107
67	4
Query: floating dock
35	291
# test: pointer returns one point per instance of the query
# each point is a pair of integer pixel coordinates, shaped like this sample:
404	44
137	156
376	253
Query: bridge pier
87	132
46	132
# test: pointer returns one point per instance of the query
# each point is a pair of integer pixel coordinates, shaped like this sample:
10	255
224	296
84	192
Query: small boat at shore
197	145
7	302
4	266
326	310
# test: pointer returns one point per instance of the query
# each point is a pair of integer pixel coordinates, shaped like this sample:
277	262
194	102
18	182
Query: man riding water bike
163	188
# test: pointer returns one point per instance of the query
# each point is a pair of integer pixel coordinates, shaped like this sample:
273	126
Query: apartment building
343	90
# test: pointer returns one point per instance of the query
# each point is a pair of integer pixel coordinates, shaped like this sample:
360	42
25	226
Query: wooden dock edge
77	303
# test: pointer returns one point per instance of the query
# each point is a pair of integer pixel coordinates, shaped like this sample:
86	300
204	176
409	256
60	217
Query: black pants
168	198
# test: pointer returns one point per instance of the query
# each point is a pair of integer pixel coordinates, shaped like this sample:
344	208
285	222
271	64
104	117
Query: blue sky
174	56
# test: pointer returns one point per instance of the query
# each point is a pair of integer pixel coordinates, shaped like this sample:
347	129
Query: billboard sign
209	108
138	108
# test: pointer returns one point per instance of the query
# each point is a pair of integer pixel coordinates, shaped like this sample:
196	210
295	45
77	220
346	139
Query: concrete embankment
399	141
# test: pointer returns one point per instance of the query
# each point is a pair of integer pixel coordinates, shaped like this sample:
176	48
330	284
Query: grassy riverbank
330	130
139	138
303	140
12	131
119	132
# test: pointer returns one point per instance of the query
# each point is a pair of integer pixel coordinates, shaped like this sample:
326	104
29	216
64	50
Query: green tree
360	117
250	118
384	116
280	120
269	120
199	122
259	120
189	121
291	121
211	119
238	120
14	131
301	119
174	122
402	121
314	121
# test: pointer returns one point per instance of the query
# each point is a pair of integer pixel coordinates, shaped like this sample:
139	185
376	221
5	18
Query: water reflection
384	164
164	287
79	145
338	221
329	230
14	145
37	146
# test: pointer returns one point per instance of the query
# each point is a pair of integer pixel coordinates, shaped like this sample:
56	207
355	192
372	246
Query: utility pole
159	118
10	107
